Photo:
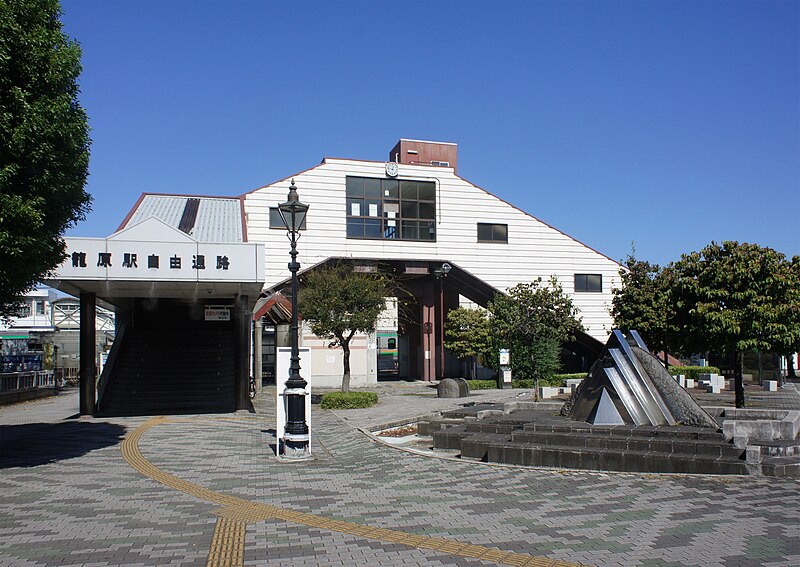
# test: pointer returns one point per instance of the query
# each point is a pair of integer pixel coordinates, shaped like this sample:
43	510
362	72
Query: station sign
155	251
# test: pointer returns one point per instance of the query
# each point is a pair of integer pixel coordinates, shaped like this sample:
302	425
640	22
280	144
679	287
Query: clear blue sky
669	124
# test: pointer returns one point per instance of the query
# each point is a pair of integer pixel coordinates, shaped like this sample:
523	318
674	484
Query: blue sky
667	124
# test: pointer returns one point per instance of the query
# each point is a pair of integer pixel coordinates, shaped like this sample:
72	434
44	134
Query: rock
680	403
451	388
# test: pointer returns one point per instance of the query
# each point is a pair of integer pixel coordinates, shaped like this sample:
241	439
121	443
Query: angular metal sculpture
605	412
619	375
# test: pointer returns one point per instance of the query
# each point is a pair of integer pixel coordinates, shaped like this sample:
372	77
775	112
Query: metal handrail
19	381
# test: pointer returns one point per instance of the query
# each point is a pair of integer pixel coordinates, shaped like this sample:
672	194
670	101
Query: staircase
169	365
538	438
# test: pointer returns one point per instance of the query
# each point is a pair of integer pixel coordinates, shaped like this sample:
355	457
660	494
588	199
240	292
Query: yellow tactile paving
227	546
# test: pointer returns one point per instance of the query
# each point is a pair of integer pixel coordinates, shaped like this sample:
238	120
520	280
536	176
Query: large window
275	220
492	232
589	282
391	209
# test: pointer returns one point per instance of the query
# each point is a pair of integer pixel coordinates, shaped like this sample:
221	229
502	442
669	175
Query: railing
108	368
17	381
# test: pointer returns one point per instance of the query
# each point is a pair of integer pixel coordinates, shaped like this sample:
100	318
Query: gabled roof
204	218
325	161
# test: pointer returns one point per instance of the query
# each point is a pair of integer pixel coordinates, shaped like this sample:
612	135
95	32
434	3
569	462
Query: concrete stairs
778	457
539	438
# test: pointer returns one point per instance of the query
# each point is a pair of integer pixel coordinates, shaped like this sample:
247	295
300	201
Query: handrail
108	368
28	380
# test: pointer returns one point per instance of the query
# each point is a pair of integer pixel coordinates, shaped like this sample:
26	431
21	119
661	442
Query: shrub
573	376
691	372
554	381
482	384
531	383
348	400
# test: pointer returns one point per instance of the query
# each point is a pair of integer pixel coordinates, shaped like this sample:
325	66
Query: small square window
427	191
408	190
488	232
589	283
355	186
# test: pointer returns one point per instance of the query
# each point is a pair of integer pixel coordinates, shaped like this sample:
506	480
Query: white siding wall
533	249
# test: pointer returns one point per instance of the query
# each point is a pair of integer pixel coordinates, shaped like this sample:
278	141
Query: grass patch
482	384
348	400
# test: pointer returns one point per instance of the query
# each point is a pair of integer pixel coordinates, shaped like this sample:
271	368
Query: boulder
452	388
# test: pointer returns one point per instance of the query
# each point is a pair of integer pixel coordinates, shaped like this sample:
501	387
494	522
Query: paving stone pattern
85	505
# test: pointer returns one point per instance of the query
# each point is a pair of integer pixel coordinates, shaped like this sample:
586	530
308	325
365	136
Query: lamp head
293	211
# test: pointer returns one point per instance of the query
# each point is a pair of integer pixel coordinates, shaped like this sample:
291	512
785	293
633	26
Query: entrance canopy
154	260
458	279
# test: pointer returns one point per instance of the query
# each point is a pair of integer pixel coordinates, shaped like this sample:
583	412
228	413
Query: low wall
24	395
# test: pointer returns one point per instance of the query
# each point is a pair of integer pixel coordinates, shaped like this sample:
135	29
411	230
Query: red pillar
428	302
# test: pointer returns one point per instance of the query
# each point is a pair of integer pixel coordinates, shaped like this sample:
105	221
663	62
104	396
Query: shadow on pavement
33	444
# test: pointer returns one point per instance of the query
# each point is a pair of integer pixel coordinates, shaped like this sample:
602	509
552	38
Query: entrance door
268	353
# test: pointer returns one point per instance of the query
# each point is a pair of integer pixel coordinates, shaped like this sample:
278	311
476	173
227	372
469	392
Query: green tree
643	302
338	303
786	332
467	334
533	321
727	299
44	144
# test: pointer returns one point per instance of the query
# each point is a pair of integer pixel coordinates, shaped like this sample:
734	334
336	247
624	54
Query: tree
44	144
338	303
786	332
533	321
643	303
467	333
727	299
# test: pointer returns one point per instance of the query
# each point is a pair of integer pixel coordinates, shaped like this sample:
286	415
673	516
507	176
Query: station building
448	241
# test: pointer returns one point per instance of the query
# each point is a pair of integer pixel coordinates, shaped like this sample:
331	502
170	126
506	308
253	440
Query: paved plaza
208	490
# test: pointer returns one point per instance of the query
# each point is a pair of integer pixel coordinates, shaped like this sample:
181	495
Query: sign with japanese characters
217	314
153	250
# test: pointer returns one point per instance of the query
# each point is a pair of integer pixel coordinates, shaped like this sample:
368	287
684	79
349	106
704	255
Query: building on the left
43	335
183	280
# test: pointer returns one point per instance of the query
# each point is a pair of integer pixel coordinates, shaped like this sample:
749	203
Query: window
492	232
391	209
589	282
40	307
275	220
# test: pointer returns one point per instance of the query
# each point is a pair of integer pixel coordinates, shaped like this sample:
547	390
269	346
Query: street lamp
293	215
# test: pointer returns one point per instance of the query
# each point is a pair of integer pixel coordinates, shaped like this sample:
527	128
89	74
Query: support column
88	353
241	320
429	332
258	334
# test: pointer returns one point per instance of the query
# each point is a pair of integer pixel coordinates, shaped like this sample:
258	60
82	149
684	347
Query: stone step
471	410
618	443
686	432
778	447
476	447
786	467
427	427
449	438
492	426
591	458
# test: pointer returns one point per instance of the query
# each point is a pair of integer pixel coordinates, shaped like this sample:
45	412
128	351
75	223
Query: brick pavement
70	498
